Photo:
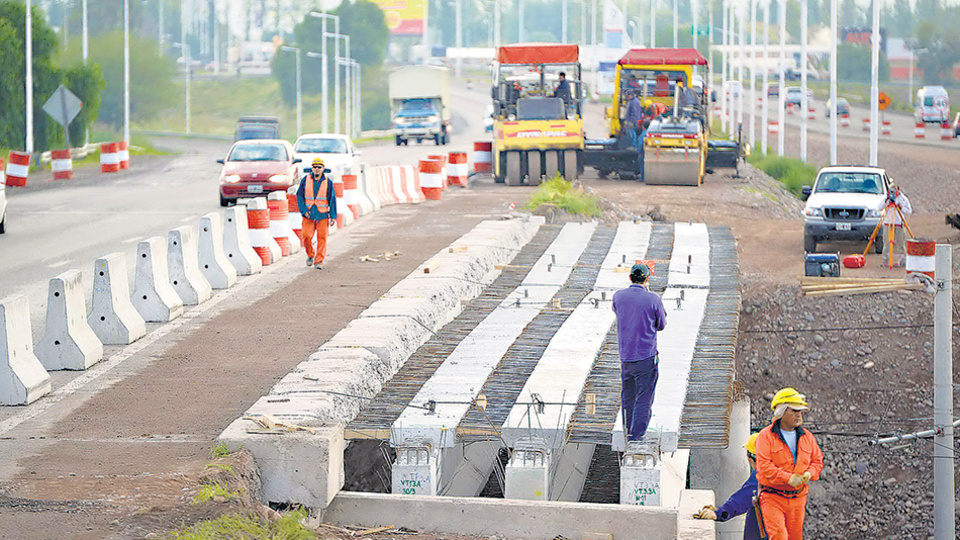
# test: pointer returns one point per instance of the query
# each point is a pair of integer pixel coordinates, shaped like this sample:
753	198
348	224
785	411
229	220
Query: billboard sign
404	17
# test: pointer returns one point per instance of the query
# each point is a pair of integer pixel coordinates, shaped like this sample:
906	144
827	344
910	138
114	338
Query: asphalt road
54	227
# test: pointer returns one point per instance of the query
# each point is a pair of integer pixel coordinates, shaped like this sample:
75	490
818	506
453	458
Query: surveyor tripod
888	212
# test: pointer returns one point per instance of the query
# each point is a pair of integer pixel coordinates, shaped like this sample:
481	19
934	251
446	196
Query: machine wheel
809	244
502	161
419	141
551	164
570	168
406	142
399	140
223	202
534	167
513	177
878	243
603	173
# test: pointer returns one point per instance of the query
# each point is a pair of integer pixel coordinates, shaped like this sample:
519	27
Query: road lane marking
60	263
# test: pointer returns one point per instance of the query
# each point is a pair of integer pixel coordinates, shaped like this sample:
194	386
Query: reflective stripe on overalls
311	199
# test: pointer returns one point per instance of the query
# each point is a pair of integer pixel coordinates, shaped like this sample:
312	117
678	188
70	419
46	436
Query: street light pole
833	82
185	47
296	52
126	71
85	39
28	41
323	99
496	23
693	27
753	73
324	75
804	105
781	87
653	23
875	87
765	117
676	24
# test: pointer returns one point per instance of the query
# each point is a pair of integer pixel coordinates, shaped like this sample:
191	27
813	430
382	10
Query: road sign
63	106
701	30
884	101
940	103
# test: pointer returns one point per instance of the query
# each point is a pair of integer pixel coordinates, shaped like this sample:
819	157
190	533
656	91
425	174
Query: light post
348	96
764	120
28	39
496	23
653	23
753	73
833	82
323	63
85	39
324	83
126	71
875	87
186	55
676	24
633	25
781	87
338	37
296	52
804	105
459	36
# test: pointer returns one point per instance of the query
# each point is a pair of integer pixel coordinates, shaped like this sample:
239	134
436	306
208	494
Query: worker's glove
806	477
795	481
707	512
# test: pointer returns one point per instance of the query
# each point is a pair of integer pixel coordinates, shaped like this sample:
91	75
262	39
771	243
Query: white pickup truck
844	204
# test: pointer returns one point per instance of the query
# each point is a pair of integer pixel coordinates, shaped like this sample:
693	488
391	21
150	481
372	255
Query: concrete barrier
68	341
153	296
214	264
294	220
236	242
113	317
366	196
22	377
184	267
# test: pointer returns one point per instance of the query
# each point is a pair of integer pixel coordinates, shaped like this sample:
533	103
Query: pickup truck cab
844	204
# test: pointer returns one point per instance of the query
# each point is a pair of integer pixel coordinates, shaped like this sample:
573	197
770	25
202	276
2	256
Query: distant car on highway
257	127
794	93
773	89
337	152
956	126
843	107
933	105
844	204
3	204
731	86
257	167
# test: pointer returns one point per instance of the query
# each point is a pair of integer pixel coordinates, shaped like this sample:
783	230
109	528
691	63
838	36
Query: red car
254	168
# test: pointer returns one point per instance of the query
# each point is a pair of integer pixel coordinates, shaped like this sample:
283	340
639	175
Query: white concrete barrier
22	377
153	296
236	242
113	317
369	191
184	267
68	341
214	263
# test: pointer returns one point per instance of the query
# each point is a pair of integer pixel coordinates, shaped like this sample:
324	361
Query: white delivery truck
933	105
420	104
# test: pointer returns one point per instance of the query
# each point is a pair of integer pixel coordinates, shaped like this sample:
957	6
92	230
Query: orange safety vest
322	204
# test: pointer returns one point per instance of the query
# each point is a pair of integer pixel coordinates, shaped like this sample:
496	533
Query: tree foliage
853	63
942	52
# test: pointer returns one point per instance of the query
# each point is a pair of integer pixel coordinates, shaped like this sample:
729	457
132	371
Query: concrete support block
295	467
528	472
416	470
184	267
68	342
533	520
236	242
22	377
153	296
214	264
640	475
113	317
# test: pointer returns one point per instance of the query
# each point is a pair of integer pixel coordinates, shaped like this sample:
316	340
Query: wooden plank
367	434
864	290
430	267
458	249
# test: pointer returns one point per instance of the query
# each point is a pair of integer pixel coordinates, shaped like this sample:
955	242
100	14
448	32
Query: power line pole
804	105
781	81
944	504
459	15
765	88
126	71
753	73
875	86
28	41
833	82
653	23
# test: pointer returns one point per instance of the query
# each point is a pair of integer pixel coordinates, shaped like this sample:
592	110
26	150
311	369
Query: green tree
86	83
853	63
849	14
942	52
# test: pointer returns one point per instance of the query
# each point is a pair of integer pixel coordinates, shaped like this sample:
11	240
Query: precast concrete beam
466	467
572	465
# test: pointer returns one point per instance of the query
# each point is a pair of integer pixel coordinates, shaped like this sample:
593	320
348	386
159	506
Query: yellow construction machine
537	121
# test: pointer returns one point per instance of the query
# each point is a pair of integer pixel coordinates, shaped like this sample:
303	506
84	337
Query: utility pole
126	71
459	15
28	43
653	23
85	38
324	70
185	47
741	65
496	23
875	86
216	39
781	84
753	73
593	25
695	7
521	35
944	504
833	82
765	117
676	24
804	105
564	19
159	25
725	86
296	53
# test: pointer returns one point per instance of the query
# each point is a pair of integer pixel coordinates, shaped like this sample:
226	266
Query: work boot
310	261
318	266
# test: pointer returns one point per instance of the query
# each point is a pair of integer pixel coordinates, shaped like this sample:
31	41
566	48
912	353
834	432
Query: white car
337	151
488	119
844	204
3	203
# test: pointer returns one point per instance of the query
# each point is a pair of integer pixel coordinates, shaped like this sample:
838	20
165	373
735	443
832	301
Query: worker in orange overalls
787	458
318	206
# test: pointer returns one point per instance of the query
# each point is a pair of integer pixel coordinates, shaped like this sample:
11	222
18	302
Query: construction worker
741	502
898	199
318	206
640	315
563	90
633	118
787	458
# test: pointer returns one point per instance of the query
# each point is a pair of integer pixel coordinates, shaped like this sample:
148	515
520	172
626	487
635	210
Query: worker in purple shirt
640	315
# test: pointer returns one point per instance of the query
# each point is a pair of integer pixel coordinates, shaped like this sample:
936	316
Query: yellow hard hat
318	161
751	444
789	396
647	102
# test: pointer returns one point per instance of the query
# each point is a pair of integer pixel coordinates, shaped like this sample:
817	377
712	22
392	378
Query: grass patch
220	450
225	467
209	491
246	527
562	194
792	173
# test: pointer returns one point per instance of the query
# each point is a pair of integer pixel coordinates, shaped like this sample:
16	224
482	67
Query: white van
933	105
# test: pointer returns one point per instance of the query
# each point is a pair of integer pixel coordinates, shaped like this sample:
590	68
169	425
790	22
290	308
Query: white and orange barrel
773	127
811	114
946	132
294	218
18	167
866	124
341	205
431	178
109	157
124	154
790	108
458	170
845	120
258	222
886	128
62	164
482	157
919	130
277	206
921	257
351	195
443	170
